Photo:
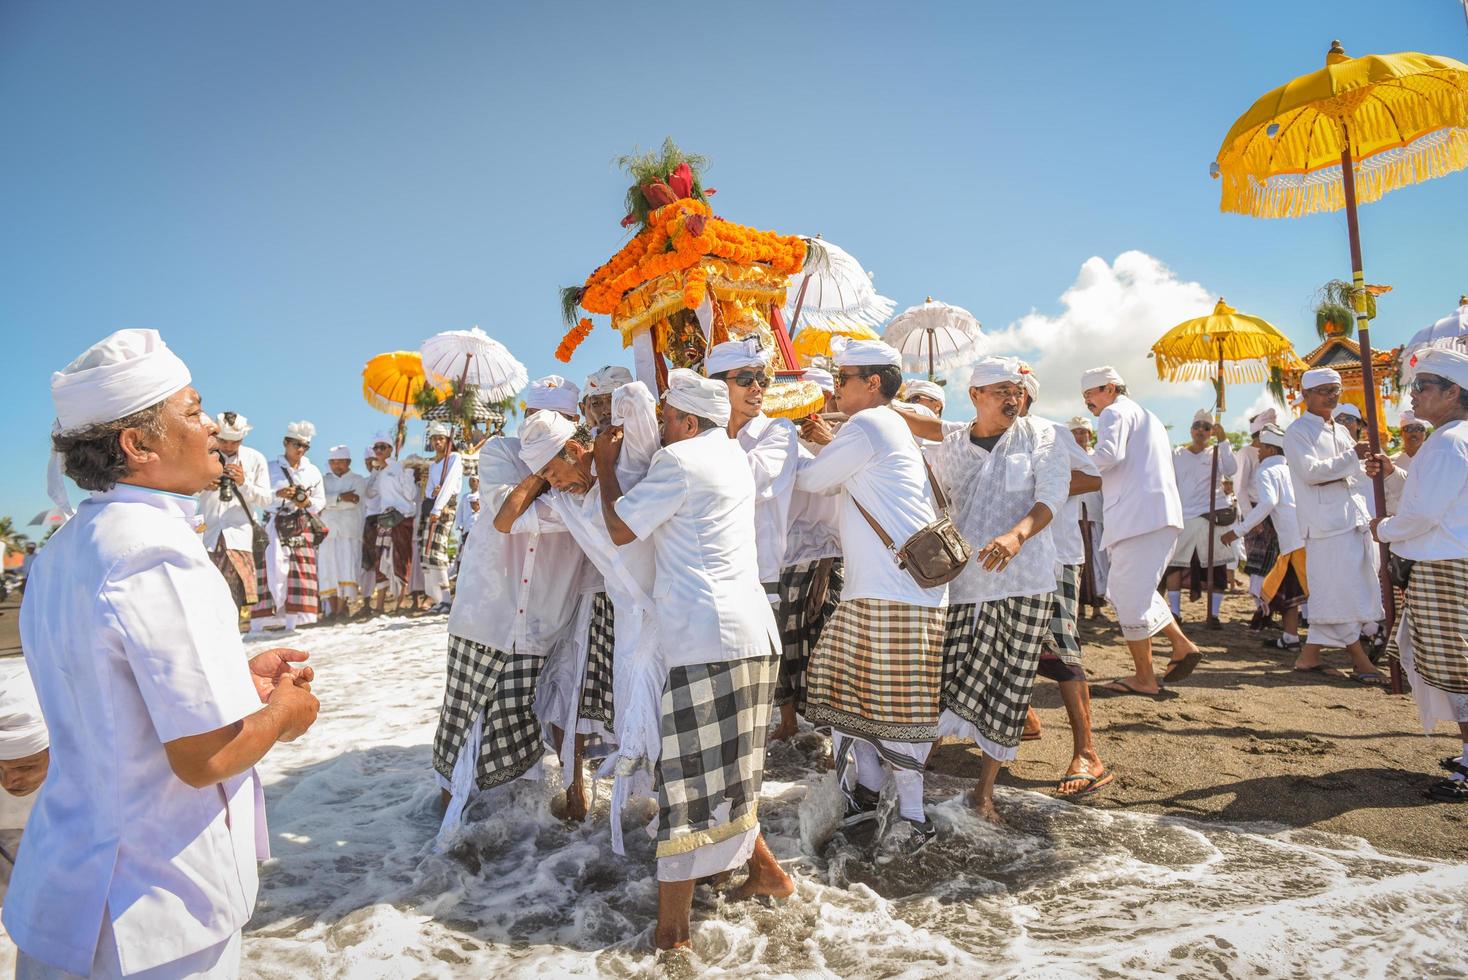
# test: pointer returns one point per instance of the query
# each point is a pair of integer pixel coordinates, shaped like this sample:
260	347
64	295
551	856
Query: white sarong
1345	592
1137	565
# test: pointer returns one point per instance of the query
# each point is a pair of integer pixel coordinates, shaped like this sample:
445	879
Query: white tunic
1248	459
277	561
1192	471
696	506
1065	530
1397	482
773	449
392	488
340	561
1329	480
1274	493
992	491
875	458
132	639
1138	484
445	481
230	519
814	521
1431	522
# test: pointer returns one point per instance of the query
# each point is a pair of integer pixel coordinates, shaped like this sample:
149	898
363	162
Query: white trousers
1137	566
219	962
1345	593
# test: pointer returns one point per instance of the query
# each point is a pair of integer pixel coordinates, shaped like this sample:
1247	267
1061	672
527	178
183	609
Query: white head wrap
554	393
301	432
1080	422
1346	408
1409	417
1272	435
1030	380
1261	420
846	352
542	436
1449	364
340	452
439	429
236	432
732	355
22	730
608	380
926	389
381	437
995	370
368	453
822	379
1202	415
124	373
688	392
1098	376
1315	377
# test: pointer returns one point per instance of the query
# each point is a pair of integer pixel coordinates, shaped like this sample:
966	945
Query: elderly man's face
1434	398
1322	399
182	461
340	466
23	776
1099	397
677	425
598	409
998	404
570	470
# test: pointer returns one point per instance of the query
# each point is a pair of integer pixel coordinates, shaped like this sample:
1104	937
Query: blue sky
286	189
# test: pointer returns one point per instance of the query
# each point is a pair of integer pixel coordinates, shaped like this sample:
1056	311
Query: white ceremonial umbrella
51	517
833	288
933	332
1450	332
473	357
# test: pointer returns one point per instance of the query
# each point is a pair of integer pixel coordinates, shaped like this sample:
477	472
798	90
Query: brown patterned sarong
238	569
877	670
1437	620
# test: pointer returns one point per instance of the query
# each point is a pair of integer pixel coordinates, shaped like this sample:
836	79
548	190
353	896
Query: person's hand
266	670
1363	450
212	485
608	447
350	497
1379	464
1375	521
1219	433
296	706
1229	537
285	493
235	472
817	430
997	554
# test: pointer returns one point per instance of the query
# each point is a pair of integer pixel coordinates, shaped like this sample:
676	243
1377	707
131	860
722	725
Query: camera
226	485
300	495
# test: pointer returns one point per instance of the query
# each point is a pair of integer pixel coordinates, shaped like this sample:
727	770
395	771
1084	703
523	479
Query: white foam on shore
354	889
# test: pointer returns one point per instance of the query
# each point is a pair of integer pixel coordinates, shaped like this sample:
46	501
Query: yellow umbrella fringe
1234	372
1293	195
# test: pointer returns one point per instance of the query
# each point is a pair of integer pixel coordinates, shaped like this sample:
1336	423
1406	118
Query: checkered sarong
1064	641
502	686
1261	549
801	622
877	670
1437	621
238	569
300	584
596	690
990	655
713	751
435	550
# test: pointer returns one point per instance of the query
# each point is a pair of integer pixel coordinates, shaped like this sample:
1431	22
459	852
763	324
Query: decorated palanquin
689	279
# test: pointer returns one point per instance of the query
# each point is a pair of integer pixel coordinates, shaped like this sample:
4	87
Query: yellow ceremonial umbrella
391	382
814	339
1343	135
1225	346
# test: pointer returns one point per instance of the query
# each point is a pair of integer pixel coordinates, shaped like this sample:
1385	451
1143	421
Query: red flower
681	180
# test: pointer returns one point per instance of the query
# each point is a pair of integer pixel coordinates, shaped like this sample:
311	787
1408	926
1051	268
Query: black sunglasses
297	442
1421	384
749	380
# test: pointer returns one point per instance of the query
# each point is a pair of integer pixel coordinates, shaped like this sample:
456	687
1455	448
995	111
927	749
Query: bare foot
784	730
444	799
772	882
672	937
1032	726
986	811
576	802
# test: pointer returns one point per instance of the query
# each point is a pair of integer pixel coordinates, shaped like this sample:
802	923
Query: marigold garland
573	339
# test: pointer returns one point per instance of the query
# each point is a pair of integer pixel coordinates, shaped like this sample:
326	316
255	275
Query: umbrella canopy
933	332
814	339
52	517
1224	344
472	357
477	406
834	288
1451	331
1404	118
391	382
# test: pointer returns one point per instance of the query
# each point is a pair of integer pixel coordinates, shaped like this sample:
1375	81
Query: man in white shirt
436	520
1430	529
288	584
1350	416
1193	468
717	638
1088	509
392	495
1142	520
1283	588
1413	432
140	854
1261	546
876	674
596	397
522	579
341	553
925	393
227	507
1340	558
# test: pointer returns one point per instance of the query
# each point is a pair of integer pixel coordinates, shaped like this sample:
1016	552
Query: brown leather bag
936	552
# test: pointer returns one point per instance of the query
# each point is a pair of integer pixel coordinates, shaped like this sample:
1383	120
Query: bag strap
939	497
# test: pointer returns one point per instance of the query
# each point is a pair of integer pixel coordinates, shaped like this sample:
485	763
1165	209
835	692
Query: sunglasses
1421	384
297	442
1203	425
1414	428
750	380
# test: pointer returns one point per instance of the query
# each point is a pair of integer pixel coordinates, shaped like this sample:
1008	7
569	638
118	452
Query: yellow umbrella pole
1368	384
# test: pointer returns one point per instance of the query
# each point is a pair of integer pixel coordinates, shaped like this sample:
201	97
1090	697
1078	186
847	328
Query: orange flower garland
573	339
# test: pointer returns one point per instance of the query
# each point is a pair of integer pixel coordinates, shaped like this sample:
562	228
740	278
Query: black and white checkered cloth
1261	549
991	651
713	751
1063	640
435	550
801	622
502	686
596	690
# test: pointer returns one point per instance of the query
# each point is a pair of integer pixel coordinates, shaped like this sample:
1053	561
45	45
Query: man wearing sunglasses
1413	434
1193	468
229	534
1341	560
289	591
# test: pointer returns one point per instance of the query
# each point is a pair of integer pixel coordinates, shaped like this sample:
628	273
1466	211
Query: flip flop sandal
1110	691
1093	783
1369	678
1453	763
1031	736
1180	670
1448	791
1323	669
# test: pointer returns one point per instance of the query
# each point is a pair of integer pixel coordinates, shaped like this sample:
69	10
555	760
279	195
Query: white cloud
1112	314
1240	422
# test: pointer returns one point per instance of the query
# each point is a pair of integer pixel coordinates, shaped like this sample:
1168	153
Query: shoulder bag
936	552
